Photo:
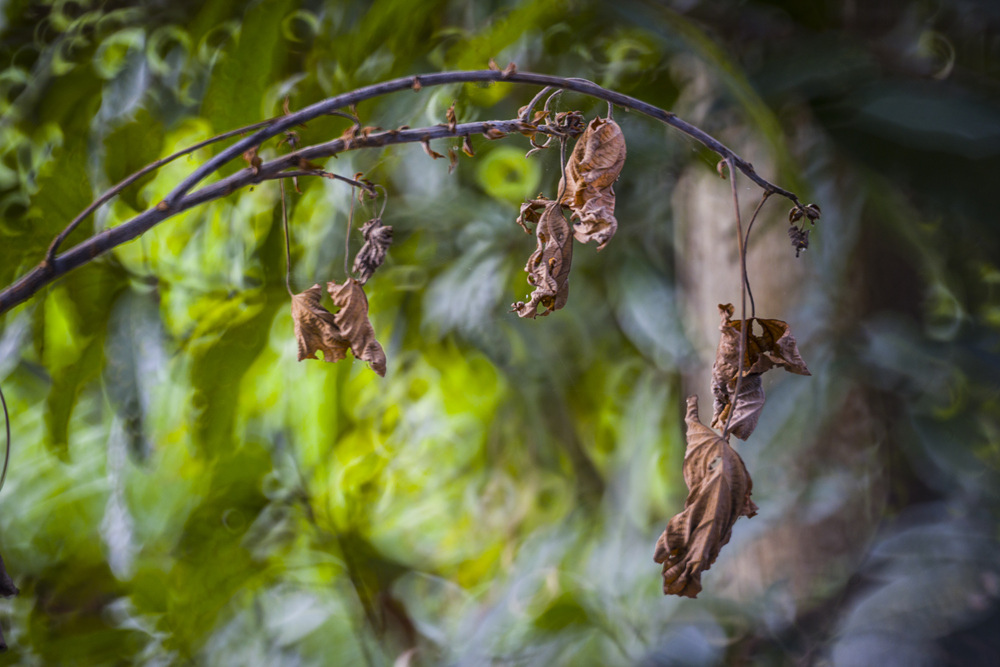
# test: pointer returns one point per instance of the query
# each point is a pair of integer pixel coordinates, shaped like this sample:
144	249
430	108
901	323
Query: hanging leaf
378	238
591	171
316	328
352	321
548	267
773	347
719	488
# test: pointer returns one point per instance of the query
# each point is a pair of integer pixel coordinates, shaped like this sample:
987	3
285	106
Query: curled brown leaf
719	488
588	180
773	347
316	328
352	321
378	238
548	267
430	151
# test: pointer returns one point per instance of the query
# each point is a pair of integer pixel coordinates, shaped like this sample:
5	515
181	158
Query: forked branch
182	198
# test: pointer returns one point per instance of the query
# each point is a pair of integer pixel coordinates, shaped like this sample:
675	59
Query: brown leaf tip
352	320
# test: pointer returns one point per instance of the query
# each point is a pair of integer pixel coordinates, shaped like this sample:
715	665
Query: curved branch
333	104
129	180
180	198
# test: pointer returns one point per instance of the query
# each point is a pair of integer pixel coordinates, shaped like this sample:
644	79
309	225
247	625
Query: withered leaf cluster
587	190
718	483
719	490
773	347
317	329
589	177
548	267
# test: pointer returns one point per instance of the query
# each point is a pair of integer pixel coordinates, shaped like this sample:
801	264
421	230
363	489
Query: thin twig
6	455
347	236
282	175
288	247
746	242
526	115
121	185
743	300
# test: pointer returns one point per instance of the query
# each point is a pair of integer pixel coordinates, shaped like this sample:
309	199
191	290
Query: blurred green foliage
182	490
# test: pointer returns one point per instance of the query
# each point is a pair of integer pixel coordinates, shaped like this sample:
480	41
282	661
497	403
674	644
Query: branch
124	183
181	199
333	104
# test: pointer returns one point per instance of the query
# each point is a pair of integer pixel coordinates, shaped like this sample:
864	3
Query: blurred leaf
504	173
76	327
130	147
233	98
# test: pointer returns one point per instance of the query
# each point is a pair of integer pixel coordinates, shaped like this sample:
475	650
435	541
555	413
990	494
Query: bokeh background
183	491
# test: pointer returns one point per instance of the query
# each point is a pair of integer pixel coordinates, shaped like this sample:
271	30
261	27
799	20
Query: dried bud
378	238
800	239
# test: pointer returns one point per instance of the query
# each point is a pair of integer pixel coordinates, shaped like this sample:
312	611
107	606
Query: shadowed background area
182	490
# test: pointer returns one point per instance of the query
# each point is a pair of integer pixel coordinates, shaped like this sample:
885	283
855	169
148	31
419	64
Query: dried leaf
430	151
548	267
531	212
773	347
493	133
416	85
316	328
452	159
591	171
510	69
352	321
452	119
467	146
749	404
253	160
378	238
719	489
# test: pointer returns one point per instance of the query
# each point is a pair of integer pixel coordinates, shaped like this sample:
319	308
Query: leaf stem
288	247
744	285
347	236
743	252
